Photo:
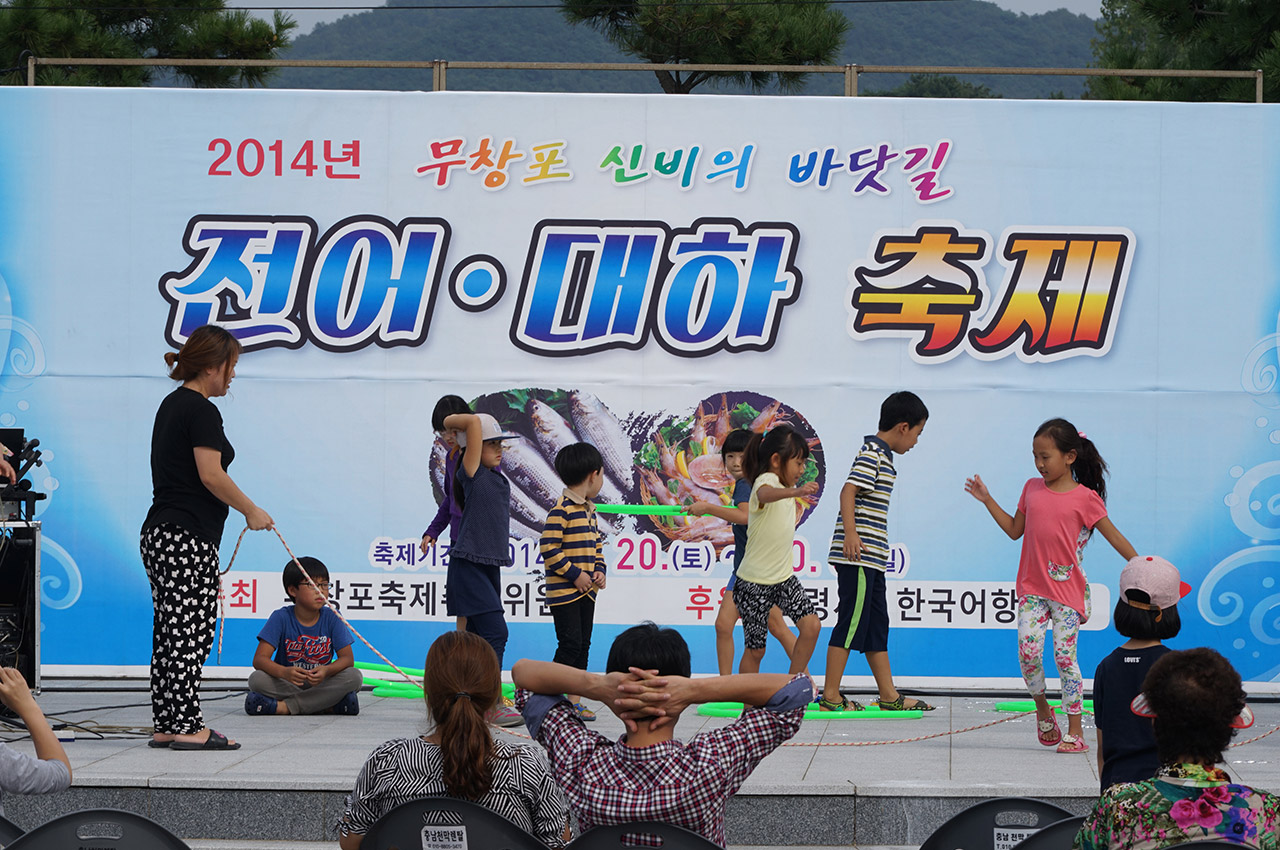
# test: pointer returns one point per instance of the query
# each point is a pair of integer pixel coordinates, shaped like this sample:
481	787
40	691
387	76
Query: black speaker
20	599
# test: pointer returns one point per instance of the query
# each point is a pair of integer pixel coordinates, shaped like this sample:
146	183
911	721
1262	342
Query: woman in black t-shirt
191	491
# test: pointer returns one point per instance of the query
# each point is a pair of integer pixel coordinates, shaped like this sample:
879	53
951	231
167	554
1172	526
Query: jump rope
417	683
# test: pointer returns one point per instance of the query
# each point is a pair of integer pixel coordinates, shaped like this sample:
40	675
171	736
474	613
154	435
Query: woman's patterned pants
183	570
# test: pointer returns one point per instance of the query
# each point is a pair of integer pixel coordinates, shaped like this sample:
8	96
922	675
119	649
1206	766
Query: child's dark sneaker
256	704
348	705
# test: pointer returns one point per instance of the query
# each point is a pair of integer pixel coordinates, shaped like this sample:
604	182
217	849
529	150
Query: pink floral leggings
1034	615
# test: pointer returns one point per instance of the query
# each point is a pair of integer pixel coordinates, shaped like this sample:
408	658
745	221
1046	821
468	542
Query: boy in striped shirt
571	548
860	554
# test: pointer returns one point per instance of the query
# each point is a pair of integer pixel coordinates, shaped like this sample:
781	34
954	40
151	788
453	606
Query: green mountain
959	32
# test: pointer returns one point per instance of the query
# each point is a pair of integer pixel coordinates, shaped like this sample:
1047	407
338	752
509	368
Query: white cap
489	430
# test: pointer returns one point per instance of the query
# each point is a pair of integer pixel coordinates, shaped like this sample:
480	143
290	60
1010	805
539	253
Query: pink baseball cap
1155	577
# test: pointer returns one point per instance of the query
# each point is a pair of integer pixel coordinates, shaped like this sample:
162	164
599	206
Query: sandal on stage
215	741
159	745
1072	744
845	704
900	704
1048	732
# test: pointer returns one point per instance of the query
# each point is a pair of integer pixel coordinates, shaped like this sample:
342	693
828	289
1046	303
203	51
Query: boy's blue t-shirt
741	493
304	646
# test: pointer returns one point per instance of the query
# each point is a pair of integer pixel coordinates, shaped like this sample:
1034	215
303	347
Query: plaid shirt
606	782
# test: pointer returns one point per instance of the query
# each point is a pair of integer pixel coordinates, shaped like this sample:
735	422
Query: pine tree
728	33
1218	35
191	29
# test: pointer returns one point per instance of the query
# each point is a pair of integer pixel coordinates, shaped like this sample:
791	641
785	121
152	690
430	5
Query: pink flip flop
1048	733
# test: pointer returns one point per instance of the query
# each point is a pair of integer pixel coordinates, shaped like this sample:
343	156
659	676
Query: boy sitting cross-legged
648	774
312	670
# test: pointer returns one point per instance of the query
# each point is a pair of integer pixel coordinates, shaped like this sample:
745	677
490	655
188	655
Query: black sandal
900	704
215	741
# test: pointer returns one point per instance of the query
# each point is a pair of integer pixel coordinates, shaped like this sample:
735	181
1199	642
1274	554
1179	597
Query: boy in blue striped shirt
860	554
572	551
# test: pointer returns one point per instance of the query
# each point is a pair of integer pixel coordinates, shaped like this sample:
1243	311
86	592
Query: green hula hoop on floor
734	710
406	690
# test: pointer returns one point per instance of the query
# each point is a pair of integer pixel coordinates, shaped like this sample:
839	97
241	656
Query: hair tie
461	694
1082	434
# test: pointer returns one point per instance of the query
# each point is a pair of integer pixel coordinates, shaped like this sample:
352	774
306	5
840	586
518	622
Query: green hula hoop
404	690
641	510
734	710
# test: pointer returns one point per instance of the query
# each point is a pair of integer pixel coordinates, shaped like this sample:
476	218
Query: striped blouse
404	769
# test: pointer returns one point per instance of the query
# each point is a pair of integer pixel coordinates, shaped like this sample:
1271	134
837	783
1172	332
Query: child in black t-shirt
1146	613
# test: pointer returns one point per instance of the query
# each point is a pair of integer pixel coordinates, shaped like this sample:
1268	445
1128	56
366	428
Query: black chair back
665	836
447	820
1058	835
9	832
994	823
99	829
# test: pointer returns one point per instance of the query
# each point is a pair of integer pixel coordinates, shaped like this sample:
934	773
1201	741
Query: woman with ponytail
191	492
458	757
1059	511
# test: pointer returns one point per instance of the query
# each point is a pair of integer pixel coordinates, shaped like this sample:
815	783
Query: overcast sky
307	19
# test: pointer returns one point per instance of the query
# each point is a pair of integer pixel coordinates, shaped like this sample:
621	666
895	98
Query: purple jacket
449	511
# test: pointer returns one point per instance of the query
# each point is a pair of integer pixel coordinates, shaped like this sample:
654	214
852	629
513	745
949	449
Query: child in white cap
1146	613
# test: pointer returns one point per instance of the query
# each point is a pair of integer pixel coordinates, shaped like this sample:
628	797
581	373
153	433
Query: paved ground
323	754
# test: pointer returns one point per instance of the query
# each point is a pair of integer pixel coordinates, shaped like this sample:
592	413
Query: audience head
1147	609
649	647
462	683
1196	701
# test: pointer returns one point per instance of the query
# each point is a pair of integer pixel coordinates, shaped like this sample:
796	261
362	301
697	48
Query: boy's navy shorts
862	617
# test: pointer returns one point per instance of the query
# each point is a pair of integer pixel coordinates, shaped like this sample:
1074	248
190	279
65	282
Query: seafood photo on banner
548	420
680	463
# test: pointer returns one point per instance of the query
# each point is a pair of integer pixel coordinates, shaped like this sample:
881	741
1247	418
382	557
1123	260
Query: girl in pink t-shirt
1058	512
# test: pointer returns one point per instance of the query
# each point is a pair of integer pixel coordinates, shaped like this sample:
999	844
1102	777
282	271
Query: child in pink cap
1146	613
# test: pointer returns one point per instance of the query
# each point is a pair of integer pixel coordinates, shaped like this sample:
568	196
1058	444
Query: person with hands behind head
648	774
49	770
191	489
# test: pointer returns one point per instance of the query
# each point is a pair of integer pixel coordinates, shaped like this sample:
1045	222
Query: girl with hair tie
458	757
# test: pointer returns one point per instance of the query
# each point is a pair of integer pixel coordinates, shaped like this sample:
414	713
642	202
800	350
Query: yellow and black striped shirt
570	545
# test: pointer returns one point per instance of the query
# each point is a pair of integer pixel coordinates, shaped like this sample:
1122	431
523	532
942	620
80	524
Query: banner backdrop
646	273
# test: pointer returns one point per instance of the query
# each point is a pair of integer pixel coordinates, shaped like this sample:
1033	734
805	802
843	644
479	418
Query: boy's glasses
323	586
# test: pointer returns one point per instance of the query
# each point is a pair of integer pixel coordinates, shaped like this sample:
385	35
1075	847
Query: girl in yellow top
773	463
